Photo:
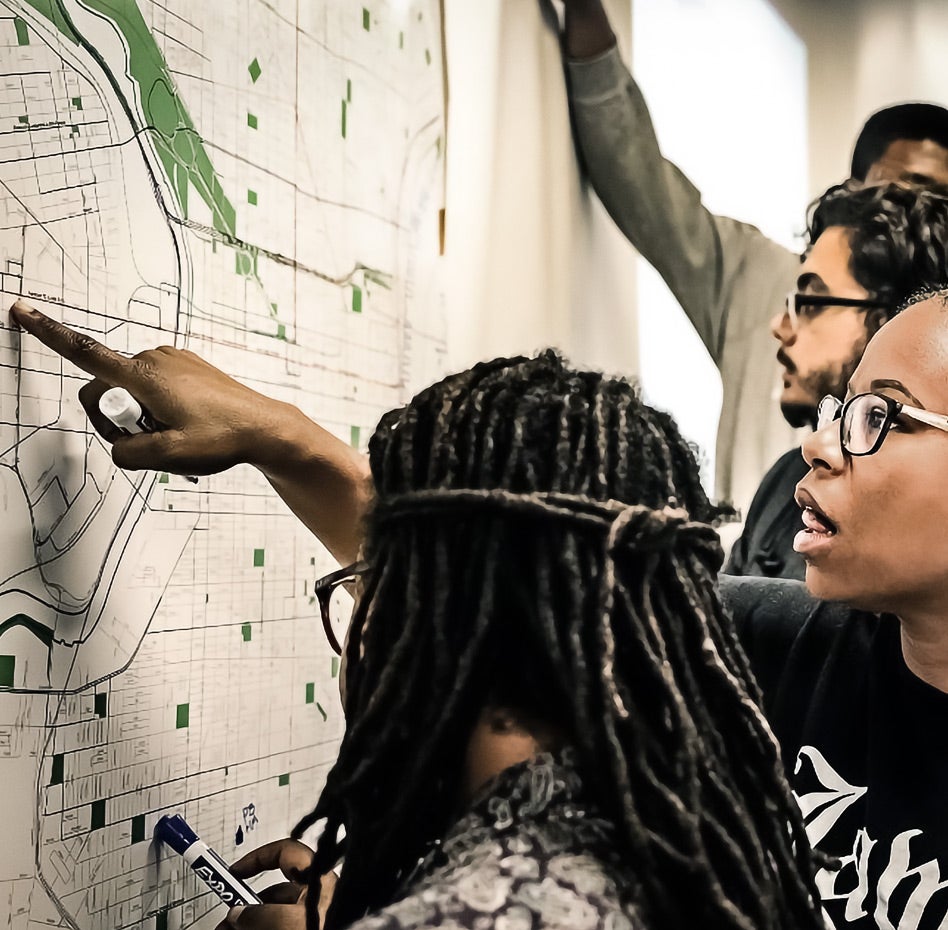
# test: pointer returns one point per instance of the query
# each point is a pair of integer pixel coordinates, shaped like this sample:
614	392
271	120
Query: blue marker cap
174	831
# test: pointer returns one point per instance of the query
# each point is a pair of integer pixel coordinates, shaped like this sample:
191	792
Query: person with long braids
550	721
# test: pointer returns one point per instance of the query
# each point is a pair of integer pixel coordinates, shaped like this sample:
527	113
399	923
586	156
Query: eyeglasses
804	307
336	602
864	420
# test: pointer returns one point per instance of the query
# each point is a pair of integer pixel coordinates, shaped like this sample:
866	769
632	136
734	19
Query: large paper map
259	181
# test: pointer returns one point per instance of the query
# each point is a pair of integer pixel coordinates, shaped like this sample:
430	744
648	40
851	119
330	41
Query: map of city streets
259	181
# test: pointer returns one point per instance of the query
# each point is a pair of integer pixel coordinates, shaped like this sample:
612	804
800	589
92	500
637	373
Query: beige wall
863	55
531	259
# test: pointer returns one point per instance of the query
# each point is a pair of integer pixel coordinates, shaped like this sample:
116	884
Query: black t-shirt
865	743
765	546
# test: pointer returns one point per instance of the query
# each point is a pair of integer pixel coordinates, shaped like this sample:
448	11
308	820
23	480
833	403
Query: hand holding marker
127	414
204	862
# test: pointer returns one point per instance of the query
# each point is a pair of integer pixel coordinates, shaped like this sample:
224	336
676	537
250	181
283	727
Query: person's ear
875	319
502	722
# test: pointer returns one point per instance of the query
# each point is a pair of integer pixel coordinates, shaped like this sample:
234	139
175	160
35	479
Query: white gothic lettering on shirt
852	883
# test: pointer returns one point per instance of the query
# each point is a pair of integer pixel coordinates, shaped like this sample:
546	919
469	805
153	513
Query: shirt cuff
593	80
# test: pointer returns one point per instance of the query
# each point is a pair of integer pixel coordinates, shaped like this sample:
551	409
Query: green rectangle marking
23	120
284	779
355	434
77	102
349	90
310	692
246	631
366	19
252	197
182	716
255	70
56	776
7	668
22	33
138	828
258	558
427	57
335	666
163	478
401	40
281	331
101	704
356	299
343	119
98	815
251	121
244	265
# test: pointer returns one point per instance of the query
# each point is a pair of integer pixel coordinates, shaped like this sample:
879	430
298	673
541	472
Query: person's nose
782	329
823	451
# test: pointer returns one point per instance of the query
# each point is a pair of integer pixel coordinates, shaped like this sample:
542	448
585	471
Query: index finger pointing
82	350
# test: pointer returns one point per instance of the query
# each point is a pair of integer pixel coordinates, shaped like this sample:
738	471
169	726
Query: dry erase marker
127	414
124	411
204	862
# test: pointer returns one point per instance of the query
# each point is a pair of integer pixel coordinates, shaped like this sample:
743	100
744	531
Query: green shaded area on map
177	142
59	766
42	632
53	12
98	814
22	33
7	671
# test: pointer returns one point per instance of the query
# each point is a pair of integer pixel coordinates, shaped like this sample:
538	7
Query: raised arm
208	422
700	255
587	32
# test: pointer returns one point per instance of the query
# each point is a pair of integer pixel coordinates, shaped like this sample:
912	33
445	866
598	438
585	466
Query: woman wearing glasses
859	698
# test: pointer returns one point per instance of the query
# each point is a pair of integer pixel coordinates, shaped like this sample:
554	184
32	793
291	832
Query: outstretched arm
208	422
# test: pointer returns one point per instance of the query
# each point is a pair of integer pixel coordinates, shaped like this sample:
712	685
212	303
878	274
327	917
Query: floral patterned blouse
529	855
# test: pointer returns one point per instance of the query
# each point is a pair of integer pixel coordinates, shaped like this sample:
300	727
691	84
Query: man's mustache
786	361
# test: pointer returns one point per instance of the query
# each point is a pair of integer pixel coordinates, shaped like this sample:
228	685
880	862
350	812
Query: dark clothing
765	546
865	743
532	854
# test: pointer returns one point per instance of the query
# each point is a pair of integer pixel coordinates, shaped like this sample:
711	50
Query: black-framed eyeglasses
864	420
804	307
336	601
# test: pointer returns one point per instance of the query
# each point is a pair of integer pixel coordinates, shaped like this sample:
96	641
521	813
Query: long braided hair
540	542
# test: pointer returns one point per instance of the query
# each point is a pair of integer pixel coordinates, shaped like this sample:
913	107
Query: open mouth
816	522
